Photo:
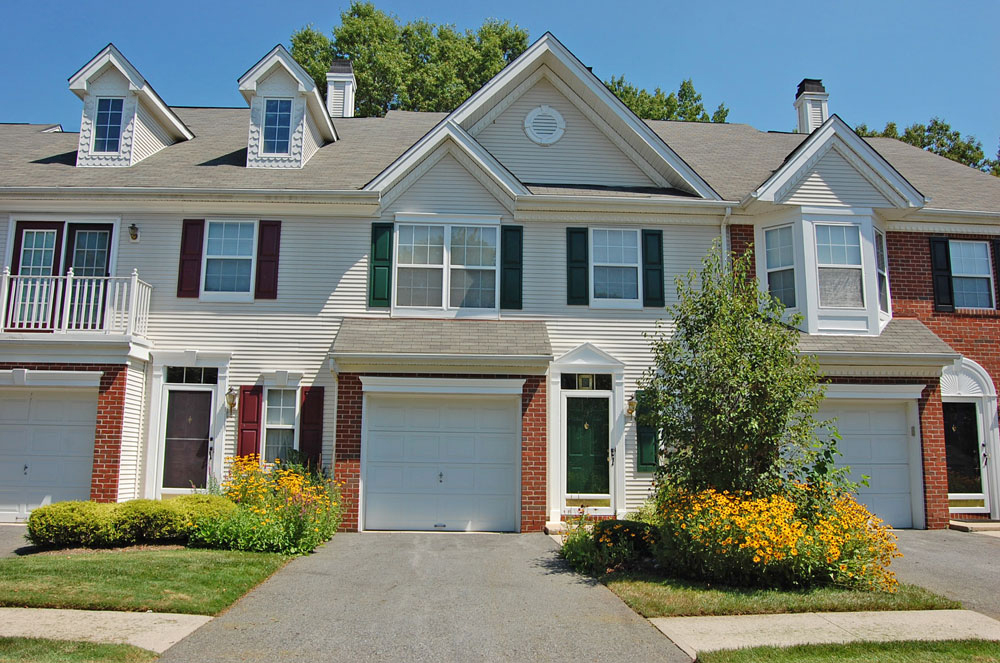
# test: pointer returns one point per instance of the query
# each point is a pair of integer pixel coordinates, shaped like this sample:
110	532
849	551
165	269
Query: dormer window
838	259
277	125
779	247
108	125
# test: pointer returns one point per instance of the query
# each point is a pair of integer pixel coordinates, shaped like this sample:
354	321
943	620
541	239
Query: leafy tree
731	395
938	137
685	104
418	66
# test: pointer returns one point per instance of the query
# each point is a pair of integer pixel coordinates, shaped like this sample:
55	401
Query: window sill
977	312
620	304
449	314
226	297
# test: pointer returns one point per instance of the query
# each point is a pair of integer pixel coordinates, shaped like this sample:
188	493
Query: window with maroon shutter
189	270
268	245
248	437
311	424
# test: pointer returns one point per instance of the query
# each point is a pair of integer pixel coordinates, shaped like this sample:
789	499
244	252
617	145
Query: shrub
279	509
607	545
148	520
769	541
67	524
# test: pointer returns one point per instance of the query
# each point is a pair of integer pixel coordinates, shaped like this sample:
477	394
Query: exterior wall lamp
630	406
231	395
133	232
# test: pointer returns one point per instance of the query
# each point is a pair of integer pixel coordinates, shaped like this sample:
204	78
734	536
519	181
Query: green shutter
577	267
380	269
647	456
511	266
652	268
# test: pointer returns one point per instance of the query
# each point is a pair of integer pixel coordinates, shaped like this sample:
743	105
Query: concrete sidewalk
154	631
700	634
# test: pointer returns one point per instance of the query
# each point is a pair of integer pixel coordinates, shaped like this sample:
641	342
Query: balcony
81	306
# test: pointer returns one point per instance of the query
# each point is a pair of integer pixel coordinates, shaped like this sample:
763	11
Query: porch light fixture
133	232
231	395
630	406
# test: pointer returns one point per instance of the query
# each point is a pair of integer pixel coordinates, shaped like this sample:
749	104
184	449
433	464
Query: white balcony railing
104	305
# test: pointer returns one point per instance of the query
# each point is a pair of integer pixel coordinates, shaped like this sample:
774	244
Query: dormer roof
280	57
110	56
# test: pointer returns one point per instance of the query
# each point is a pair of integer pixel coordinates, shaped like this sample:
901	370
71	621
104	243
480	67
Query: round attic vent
544	125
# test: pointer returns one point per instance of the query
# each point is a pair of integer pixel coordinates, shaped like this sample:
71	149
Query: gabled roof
280	57
835	134
110	56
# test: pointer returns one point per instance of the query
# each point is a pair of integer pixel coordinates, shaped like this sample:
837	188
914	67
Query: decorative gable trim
280	57
447	138
589	356
836	134
550	51
110	56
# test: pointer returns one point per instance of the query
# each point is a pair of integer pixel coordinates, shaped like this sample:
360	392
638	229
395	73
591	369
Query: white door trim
161	437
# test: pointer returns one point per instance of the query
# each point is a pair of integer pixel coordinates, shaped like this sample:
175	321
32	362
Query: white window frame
794	266
263	127
989	261
860	268
880	240
212	296
295	427
121	126
447	222
615	303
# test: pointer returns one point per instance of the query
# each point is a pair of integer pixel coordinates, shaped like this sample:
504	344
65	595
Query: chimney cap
341	66
810	85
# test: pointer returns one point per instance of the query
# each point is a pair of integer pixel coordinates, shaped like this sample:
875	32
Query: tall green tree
419	65
938	137
685	104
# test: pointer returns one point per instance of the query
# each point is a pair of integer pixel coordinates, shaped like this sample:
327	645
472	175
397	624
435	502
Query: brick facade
347	455
740	239
110	417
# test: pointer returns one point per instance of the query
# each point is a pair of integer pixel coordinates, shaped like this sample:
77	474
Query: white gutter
332	194
587	203
441	357
937	212
725	237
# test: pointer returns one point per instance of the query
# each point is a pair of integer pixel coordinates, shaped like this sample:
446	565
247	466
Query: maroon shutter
311	424
248	439
268	243
189	271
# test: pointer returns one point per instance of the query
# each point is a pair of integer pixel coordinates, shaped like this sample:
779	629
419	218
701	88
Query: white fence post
4	290
67	299
133	298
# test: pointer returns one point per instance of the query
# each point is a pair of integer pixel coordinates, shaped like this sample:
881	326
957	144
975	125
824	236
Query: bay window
838	261
779	247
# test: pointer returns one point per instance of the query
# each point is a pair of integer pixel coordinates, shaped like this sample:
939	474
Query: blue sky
902	60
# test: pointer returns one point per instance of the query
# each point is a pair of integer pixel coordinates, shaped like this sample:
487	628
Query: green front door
587	446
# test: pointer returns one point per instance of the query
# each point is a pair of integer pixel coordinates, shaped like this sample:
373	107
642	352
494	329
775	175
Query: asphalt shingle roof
402	336
901	336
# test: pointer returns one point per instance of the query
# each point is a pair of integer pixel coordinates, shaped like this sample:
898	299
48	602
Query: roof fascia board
889	180
548	44
555	202
279	56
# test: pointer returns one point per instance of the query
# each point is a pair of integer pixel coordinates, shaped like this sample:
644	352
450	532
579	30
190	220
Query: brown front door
186	443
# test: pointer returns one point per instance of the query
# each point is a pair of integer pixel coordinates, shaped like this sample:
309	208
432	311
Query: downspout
725	236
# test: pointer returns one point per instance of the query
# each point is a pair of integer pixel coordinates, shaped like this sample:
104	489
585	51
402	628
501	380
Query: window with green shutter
647	454
577	267
511	266
380	269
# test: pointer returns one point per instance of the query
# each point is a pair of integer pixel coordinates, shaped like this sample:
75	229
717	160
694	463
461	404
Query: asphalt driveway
960	565
11	539
428	597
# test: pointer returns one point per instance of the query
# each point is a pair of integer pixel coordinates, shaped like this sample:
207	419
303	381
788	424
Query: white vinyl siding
834	181
446	188
150	136
133	433
583	155
278	85
109	84
971	274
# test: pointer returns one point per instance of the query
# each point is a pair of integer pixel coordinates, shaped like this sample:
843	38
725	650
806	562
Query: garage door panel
458	446
67	472
859	449
889	449
894	510
13	407
402	511
423	418
495	448
15	439
422	446
60	408
384	445
889	479
497	419
60	440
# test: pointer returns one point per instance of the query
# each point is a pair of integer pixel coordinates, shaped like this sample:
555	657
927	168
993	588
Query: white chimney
810	103
340	87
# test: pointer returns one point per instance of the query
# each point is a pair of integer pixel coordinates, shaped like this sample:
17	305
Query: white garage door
442	463
876	443
46	448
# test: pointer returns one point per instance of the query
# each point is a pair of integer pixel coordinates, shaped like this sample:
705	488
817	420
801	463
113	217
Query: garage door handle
440	477
25	469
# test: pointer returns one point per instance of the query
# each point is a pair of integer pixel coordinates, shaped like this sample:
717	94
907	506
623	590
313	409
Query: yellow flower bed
775	540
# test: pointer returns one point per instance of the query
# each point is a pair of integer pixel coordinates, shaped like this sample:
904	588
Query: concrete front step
975	525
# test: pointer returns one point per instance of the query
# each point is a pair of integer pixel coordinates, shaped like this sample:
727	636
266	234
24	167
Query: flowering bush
774	540
607	545
284	509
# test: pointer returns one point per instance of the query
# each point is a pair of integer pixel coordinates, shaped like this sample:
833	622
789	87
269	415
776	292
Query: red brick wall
741	239
347	455
110	415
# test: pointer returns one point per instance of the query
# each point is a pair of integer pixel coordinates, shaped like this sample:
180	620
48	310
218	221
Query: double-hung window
838	259
971	273
882	268
108	124
277	125
447	267
229	258
280	417
615	266
779	246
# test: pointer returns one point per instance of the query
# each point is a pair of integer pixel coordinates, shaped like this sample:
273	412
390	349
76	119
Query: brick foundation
110	416
347	456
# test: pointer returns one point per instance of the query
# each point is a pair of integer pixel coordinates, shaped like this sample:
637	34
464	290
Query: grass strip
190	581
41	650
943	651
654	596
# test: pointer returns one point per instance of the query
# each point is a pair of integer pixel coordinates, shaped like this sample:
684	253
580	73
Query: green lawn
654	596
946	651
200	582
40	650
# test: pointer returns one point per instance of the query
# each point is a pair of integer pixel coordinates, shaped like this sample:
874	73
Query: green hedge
98	525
